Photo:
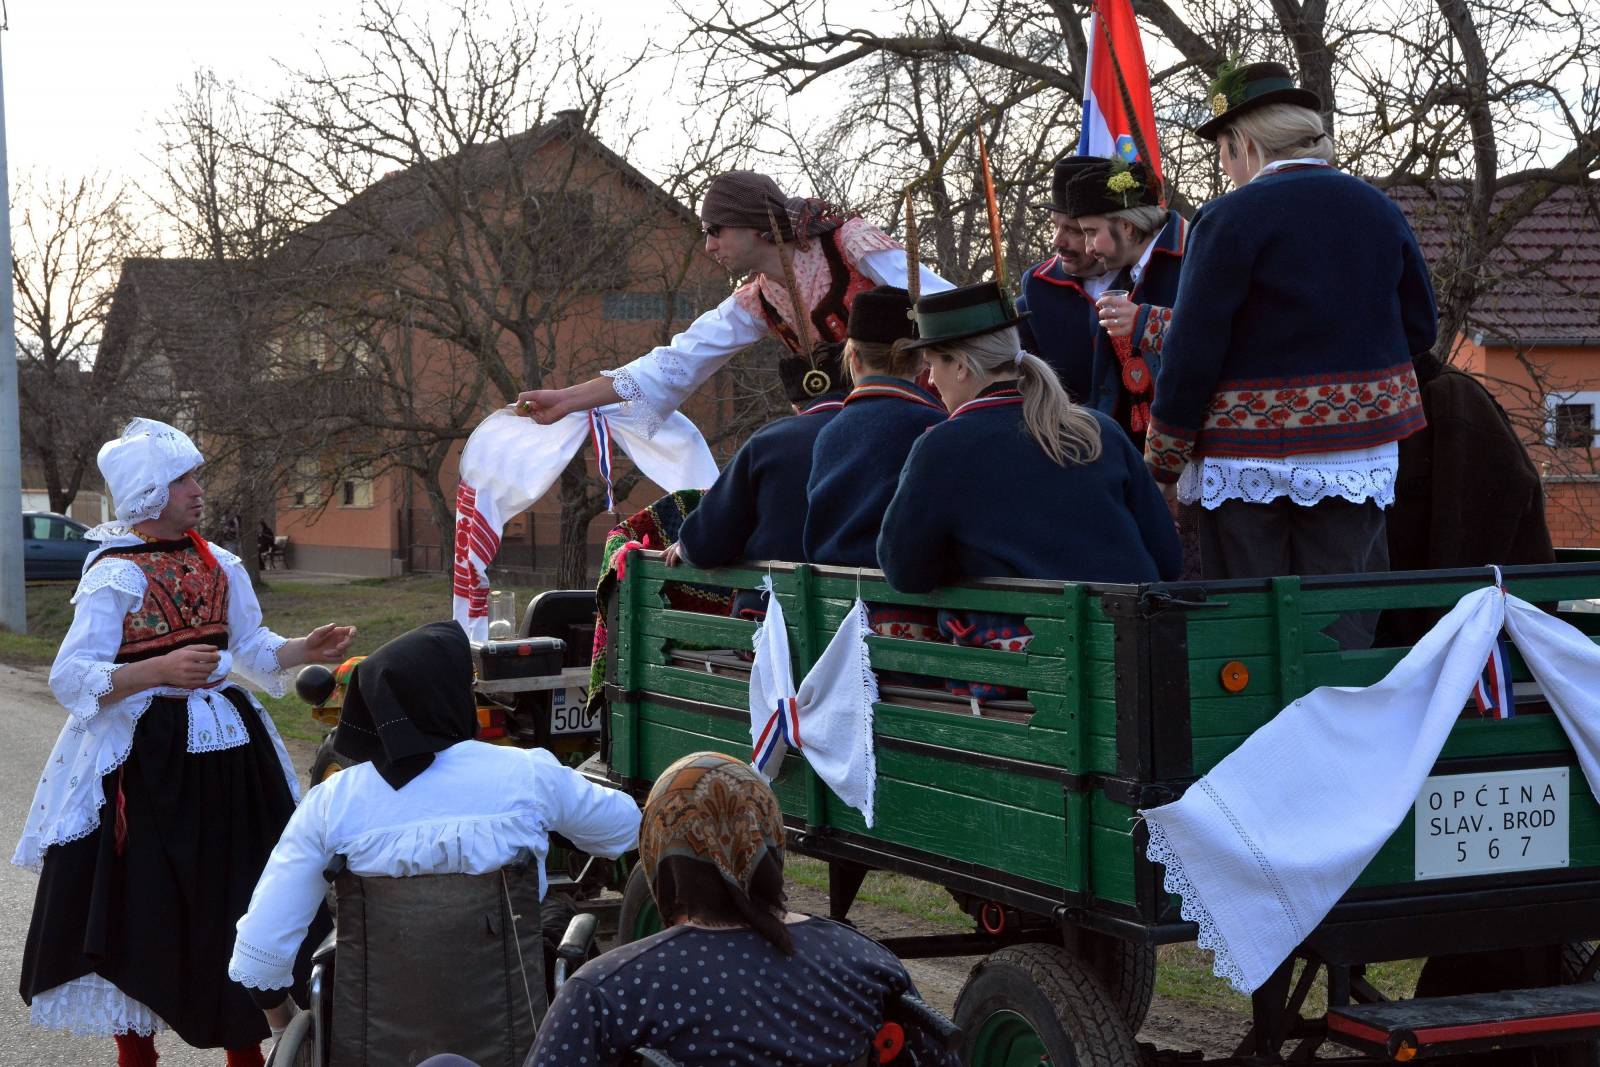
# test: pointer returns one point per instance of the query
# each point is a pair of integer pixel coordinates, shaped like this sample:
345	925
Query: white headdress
137	467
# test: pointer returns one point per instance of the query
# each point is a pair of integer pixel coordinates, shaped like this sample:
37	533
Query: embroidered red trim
893	392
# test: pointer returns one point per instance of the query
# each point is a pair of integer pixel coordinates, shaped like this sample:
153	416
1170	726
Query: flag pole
1136	129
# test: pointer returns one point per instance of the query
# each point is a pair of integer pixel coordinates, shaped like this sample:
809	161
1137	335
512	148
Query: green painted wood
1286	620
992	737
806	644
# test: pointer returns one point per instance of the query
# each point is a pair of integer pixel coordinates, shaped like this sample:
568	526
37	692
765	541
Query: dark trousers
1245	540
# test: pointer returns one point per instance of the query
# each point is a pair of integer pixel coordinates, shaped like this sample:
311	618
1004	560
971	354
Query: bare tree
1501	100
472	233
70	237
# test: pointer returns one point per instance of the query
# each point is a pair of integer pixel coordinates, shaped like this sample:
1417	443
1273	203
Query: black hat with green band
957	314
1240	90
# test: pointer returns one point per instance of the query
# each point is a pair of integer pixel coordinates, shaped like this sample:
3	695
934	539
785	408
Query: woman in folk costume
1287	378
423	797
756	508
1019	482
168	785
765	237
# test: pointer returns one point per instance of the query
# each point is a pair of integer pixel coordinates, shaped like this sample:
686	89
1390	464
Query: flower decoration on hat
1227	89
1123	184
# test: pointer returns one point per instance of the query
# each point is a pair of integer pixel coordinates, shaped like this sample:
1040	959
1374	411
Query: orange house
1534	340
383	525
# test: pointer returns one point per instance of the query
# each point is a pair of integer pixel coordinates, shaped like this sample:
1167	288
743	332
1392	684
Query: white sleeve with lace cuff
660	380
81	675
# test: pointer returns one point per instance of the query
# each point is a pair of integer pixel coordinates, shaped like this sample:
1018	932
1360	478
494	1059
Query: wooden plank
993	737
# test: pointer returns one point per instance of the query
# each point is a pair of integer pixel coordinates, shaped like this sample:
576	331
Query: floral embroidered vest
184	602
830	318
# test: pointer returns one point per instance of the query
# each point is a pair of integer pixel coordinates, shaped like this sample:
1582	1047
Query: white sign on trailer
1492	822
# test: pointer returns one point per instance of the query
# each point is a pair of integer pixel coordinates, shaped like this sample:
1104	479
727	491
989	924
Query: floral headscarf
713	808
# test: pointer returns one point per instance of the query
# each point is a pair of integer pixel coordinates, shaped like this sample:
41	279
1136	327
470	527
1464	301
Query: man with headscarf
424	797
764	984
834	258
168	785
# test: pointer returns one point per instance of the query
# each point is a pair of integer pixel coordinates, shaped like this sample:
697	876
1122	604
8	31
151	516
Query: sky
87	80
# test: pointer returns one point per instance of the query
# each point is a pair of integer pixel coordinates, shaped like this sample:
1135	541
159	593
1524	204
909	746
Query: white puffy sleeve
254	647
595	818
660	380
888	267
269	934
81	674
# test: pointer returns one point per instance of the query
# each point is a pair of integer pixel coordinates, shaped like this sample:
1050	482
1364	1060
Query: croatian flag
1113	108
1493	693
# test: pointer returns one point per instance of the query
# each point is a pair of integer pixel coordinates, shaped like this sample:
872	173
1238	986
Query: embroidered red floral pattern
183	602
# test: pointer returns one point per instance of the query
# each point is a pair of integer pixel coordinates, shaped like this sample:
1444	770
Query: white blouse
98	734
660	380
470	812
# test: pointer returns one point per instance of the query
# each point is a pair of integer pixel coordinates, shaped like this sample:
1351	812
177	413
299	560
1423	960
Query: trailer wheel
1127	970
1031	1004
638	916
326	763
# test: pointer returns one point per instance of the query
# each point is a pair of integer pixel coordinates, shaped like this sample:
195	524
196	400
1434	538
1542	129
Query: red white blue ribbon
1493	694
600	436
781	731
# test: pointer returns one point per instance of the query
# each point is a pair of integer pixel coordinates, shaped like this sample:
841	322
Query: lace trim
82	803
869	697
92	1007
216	727
1176	882
289	773
1358	476
118	574
272	971
629	389
93	685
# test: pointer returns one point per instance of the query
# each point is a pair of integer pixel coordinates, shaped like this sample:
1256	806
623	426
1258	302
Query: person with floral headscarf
169	784
736	978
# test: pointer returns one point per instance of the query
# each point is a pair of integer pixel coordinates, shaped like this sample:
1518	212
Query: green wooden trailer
1025	810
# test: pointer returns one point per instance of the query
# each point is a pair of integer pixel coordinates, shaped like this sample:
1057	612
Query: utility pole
13	593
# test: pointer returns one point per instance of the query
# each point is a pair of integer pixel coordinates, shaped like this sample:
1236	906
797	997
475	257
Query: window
60	530
355	492
305	485
644	306
1570	420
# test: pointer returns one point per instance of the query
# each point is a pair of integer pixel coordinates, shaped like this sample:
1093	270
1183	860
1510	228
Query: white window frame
1555	400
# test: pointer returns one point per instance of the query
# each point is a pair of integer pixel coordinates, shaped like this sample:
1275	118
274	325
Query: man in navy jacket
1059	293
1140	245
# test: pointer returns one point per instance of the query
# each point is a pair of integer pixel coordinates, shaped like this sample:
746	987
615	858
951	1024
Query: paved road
29	721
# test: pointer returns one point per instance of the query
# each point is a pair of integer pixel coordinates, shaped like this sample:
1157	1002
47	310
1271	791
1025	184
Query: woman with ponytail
1019	482
736	977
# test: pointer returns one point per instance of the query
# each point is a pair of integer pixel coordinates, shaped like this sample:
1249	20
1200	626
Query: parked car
54	546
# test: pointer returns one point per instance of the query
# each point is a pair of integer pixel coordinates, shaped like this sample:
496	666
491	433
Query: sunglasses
711	231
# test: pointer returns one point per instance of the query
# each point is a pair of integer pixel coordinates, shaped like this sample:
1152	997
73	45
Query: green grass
379	609
920	900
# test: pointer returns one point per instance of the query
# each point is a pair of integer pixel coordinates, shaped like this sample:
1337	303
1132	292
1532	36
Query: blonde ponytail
1066	432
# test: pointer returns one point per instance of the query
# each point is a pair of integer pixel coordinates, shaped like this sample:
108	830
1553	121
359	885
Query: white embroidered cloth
828	719
1266	843
510	462
1356	475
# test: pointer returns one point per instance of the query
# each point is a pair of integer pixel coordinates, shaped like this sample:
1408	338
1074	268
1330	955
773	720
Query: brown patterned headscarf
714	809
745	198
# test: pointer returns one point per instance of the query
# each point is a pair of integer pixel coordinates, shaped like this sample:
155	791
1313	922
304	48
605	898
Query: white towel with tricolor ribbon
828	719
510	462
1262	847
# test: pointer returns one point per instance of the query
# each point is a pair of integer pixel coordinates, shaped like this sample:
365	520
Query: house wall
1522	382
400	534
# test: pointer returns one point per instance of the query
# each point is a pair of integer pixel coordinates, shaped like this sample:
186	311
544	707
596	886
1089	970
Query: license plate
1492	822
567	716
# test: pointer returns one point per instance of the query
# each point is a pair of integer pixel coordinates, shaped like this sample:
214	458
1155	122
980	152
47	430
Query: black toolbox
518	657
